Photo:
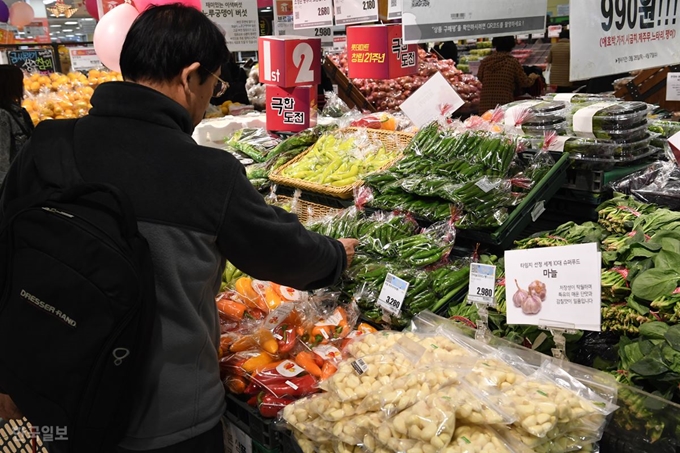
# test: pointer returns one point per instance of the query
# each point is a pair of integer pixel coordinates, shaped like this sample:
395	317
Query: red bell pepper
271	405
287	336
298	387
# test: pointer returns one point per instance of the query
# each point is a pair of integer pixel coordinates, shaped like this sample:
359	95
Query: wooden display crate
650	86
349	93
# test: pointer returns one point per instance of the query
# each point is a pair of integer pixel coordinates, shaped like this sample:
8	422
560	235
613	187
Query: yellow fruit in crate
35	87
46	113
94	73
35	118
54	76
44	80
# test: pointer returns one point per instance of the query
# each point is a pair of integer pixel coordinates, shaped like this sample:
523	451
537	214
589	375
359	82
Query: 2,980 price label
482	283
633	13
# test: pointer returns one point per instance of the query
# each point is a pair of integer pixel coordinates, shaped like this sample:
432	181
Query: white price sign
312	13
239	20
482	283
390	9
443	20
84	58
355	11
283	25
616	36
434	101
673	86
392	294
555	287
242	443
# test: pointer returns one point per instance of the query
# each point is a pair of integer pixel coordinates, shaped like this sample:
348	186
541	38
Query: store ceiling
79	27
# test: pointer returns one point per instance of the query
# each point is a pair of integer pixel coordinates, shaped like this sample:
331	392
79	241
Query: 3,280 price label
482	283
392	294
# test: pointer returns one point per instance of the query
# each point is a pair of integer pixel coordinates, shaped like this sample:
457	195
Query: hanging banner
238	19
312	13
607	38
283	24
443	20
349	12
104	6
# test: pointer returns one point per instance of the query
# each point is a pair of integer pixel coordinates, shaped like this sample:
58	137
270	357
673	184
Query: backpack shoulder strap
54	146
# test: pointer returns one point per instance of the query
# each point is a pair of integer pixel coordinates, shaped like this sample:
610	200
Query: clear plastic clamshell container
540	108
632	134
607	116
535	127
665	128
578	98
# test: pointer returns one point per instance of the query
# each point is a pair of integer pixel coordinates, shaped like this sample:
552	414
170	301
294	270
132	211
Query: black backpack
77	301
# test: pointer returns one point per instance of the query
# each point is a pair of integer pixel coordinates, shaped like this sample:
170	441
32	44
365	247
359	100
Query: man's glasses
220	86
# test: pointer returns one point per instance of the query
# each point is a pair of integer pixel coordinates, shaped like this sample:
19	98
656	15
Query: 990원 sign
631	13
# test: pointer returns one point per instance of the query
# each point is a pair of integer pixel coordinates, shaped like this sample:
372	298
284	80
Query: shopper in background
236	77
501	75
195	207
559	60
448	50
15	123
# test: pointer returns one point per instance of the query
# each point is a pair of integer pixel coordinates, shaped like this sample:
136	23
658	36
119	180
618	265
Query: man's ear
188	73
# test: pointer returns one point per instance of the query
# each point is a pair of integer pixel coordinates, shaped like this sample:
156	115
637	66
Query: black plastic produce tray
528	210
248	419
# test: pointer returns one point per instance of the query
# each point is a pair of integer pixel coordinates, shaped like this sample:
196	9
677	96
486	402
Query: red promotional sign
378	52
290	61
291	109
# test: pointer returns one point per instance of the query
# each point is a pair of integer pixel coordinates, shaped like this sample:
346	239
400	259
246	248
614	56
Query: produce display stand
528	210
650	86
392	141
349	93
262	431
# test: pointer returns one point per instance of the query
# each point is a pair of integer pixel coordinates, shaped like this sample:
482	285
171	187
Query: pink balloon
110	33
92	8
20	14
142	5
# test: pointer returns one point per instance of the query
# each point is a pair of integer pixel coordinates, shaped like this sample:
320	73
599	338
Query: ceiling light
55	26
71	22
69	36
68	30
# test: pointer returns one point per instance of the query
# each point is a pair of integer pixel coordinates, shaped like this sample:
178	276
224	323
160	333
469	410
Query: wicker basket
16	437
391	140
306	210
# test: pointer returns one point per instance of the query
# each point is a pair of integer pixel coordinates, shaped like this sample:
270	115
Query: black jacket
196	208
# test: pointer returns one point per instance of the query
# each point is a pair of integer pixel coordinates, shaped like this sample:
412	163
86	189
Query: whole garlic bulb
520	296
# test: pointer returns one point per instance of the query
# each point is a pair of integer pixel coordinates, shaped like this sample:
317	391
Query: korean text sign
33	61
291	109
442	20
239	20
378	52
554	287
617	36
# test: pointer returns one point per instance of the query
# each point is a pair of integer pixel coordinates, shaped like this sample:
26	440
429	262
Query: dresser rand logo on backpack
48	308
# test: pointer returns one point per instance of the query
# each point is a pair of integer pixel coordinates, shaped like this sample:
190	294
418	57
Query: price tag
539	208
434	101
613	37
394	8
674	143
283	26
486	185
360	366
355	11
482	283
242	442
556	287
554	31
312	14
84	58
673	86
392	294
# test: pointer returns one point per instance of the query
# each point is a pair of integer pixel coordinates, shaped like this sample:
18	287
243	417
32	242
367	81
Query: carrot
231	309
328	370
306	361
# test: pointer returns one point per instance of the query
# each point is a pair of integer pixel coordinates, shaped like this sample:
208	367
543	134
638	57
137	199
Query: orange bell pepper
256	362
244	286
265	339
236	384
231	309
328	370
244	343
272	299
